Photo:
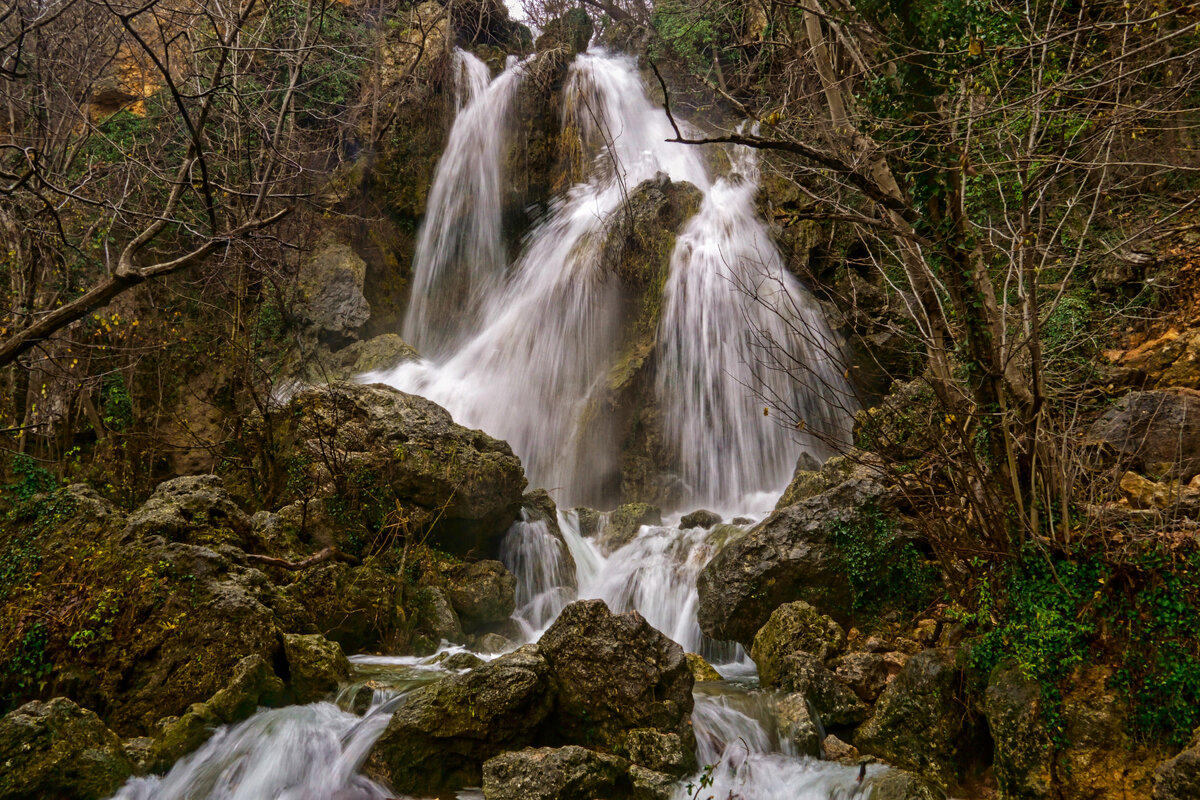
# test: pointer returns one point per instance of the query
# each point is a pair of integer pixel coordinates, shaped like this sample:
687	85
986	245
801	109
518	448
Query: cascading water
460	257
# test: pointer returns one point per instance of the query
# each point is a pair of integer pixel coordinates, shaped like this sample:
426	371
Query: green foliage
28	668
694	33
884	570
116	406
32	479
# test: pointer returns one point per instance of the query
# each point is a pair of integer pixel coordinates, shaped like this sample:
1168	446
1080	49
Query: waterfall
460	257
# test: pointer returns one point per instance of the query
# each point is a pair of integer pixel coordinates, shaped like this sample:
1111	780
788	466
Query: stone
865	673
789	556
1178	778
1150	428
837	750
589	520
661	752
917	723
834	703
700	519
1097	725
494	643
377	354
797	723
316	666
439	738
539	507
897	784
701	669
481	592
459	661
357	607
794	627
623	524
55	749
614	673
195	509
435	615
1023	755
554	773
331	289
571	33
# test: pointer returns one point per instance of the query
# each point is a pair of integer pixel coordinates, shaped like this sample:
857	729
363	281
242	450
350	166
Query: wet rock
195	509
376	354
1156	432
554	773
701	669
316	666
438	740
661	752
834	703
614	673
837	750
589	520
331	287
481	592
624	522
865	673
1179	778
700	519
494	643
1023	754
797	723
55	749
539	508
791	628
917	723
1097	762
460	661
896	784
460	487
789	556
354	606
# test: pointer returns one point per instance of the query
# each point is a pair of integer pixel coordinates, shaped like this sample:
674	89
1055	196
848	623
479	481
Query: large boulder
789	556
1155	433
386	449
316	666
799	724
58	750
331	289
1023	752
614	673
834	703
357	607
1179	778
440	737
481	592
896	784
195	509
794	627
917	723
554	773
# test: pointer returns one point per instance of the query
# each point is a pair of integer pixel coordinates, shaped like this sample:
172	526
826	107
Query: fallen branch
328	554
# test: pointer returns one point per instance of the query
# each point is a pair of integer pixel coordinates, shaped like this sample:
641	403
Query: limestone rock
439	738
700	519
1179	778
55	749
865	673
435	615
896	784
376	354
701	669
834	703
354	606
554	773
195	509
614	673
538	507
481	592
796	722
571	32
917	723
1023	753
624	522
837	750
794	627
331	285
1155	431
316	666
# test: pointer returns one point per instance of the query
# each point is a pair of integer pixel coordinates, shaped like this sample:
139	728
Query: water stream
521	350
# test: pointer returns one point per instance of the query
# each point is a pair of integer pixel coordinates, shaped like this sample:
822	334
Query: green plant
884	570
32	479
116	404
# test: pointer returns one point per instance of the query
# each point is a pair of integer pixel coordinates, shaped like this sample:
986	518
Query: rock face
554	773
789	556
56	750
331	285
357	607
460	485
316	666
834	703
1023	754
917	723
195	509
613	673
440	737
1179	778
480	592
1156	433
794	627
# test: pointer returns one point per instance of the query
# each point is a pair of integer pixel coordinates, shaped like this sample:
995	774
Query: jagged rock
917	723
701	669
1023	753
554	773
55	749
1155	433
1179	778
1171	360
435	615
357	607
810	478
796	722
614	673
316	666
624	522
378	353
1143	493
667	753
789	556
195	509
331	286
460	486
834	703
896	784
865	673
440	737
700	519
481	592
794	627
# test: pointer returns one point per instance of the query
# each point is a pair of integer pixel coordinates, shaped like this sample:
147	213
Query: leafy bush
884	569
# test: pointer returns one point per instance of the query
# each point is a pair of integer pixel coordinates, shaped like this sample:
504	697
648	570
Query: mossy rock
624	522
316	666
794	627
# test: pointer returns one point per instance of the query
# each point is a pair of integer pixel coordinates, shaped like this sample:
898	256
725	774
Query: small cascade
461	257
539	561
739	334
